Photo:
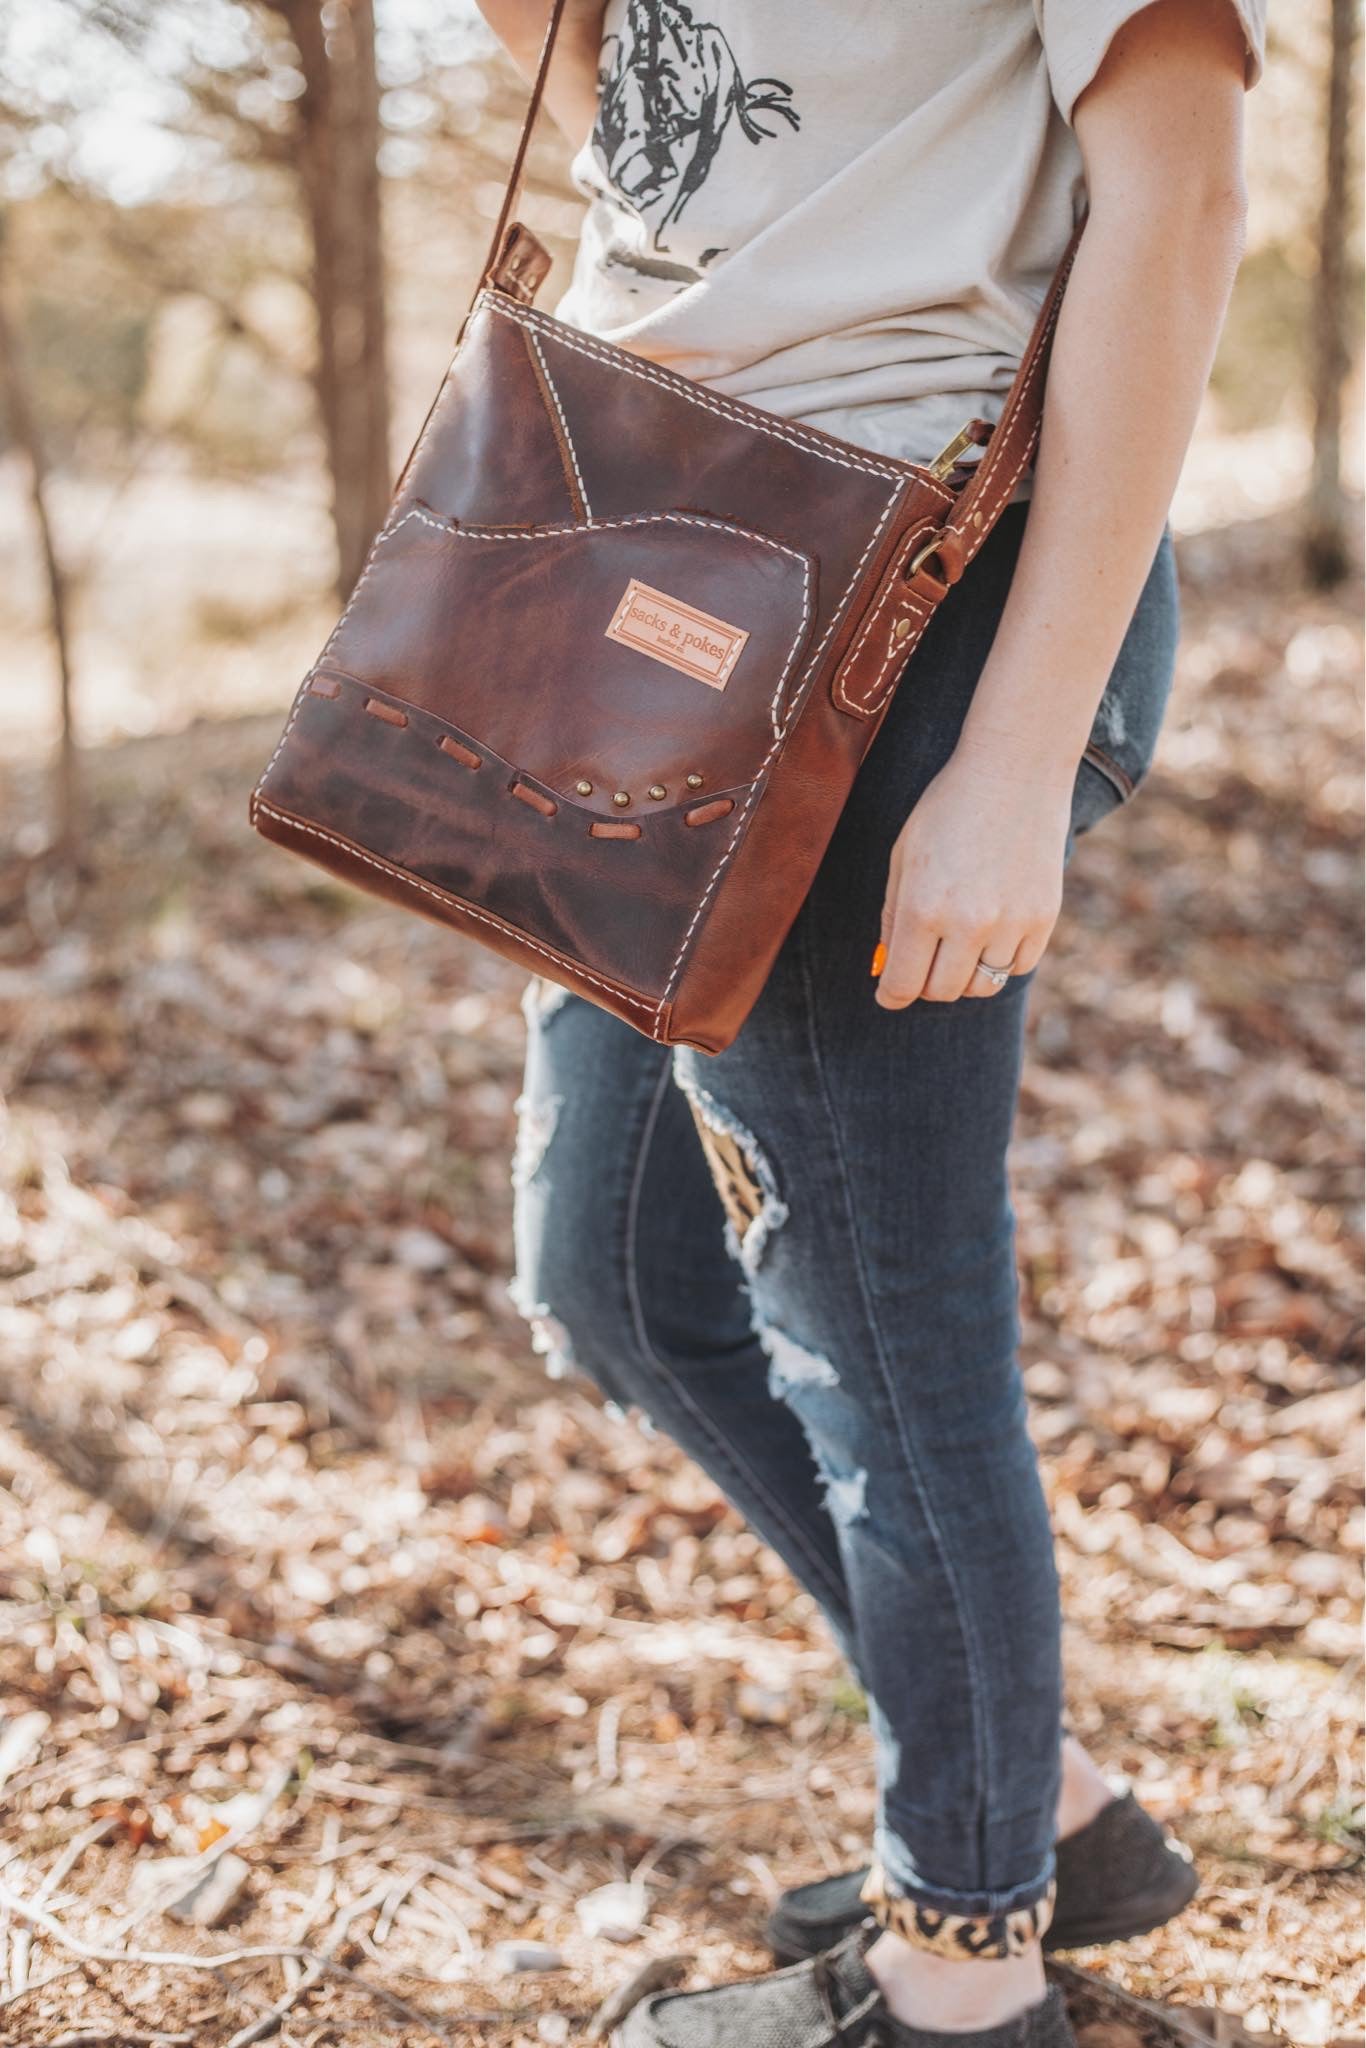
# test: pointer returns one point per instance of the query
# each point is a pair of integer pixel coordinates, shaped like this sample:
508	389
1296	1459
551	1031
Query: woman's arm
571	90
977	870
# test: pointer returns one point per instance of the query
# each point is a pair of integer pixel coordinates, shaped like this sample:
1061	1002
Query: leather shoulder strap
1015	437
514	183
915	582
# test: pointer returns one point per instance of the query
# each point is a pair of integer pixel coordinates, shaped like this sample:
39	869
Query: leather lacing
704	811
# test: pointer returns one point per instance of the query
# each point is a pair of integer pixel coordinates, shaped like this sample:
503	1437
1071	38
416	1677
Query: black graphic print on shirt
669	91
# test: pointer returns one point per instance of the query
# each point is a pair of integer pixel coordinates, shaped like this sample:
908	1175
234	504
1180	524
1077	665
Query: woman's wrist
1003	751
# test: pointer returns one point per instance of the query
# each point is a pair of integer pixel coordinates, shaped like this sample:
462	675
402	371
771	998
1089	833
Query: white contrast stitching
896	661
841	694
797	703
793	651
299	696
585	526
564	424
682	387
895	655
923	616
446	896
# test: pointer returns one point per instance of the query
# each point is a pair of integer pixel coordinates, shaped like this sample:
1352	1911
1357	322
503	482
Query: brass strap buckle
945	459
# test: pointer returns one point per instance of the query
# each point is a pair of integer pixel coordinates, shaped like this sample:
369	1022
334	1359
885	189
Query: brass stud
694	782
901	629
658	791
583	788
621	797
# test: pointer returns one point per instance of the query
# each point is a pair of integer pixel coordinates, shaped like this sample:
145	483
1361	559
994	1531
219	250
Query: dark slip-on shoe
1119	1876
829	2002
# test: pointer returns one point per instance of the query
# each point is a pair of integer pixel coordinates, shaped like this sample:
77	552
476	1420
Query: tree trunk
23	426
1325	535
339	166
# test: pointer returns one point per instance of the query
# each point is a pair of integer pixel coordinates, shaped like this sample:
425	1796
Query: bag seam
447	896
682	387
565	438
803	692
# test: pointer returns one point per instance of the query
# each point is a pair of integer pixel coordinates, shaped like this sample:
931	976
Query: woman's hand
976	874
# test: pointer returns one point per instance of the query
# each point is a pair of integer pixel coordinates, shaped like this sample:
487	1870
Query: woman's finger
889	902
910	955
1031	949
955	965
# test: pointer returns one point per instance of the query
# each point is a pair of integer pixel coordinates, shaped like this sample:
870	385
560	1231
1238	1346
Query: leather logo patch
677	634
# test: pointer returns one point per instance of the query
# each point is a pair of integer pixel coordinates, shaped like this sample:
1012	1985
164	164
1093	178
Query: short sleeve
1077	33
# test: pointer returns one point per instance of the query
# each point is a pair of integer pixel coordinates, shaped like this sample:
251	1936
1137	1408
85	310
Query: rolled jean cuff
964	1926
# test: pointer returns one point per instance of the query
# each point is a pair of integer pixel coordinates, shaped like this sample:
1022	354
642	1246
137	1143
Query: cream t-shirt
844	211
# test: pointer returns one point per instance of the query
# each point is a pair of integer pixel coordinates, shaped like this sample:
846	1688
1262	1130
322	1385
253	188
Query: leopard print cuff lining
963	1937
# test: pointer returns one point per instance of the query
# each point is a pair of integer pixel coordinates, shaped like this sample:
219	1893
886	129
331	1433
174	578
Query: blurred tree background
237	240
302	1567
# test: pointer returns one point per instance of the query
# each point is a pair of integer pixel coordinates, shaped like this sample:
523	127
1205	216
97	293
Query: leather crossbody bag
605	682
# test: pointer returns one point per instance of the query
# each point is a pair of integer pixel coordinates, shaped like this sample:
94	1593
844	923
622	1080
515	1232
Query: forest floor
312	1586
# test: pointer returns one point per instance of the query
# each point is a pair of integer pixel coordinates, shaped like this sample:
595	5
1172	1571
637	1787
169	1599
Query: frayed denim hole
537	1117
741	1172
846	1499
541	999
791	1364
1111	726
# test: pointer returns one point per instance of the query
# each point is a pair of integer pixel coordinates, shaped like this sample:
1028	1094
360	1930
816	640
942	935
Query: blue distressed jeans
797	1258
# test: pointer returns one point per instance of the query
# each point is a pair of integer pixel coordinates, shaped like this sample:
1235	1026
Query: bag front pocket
372	784
625	665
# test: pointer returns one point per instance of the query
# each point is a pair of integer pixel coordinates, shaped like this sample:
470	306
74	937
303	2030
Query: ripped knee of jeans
743	1177
804	1378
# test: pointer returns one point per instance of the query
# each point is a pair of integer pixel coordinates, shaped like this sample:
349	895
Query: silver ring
999	975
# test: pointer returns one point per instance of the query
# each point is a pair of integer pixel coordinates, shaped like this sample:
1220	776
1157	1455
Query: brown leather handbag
606	679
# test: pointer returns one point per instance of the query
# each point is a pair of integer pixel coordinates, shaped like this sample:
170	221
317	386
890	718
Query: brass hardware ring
931	547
